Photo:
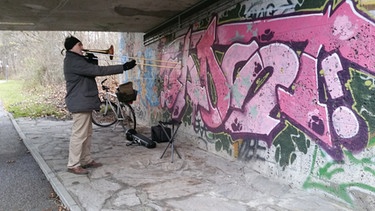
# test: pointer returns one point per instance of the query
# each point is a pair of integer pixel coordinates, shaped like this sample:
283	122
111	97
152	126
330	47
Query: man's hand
91	58
129	65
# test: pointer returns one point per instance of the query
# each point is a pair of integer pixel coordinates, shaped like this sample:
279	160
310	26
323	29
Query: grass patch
11	92
22	102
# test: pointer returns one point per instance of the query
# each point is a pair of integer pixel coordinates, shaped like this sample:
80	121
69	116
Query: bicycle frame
108	101
113	111
117	109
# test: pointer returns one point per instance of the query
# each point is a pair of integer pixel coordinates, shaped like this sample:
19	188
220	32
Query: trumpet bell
111	52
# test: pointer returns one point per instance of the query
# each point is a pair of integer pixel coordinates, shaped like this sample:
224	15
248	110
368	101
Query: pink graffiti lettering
254	116
302	100
261	80
331	66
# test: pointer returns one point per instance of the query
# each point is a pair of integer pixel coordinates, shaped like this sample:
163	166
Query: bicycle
112	110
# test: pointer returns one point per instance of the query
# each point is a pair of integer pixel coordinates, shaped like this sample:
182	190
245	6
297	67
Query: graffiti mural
290	76
249	86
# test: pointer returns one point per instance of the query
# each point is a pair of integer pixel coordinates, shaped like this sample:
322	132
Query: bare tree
36	55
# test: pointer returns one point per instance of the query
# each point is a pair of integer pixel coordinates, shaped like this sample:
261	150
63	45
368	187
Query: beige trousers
80	140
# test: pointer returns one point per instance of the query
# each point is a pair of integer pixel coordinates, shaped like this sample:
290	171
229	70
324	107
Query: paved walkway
135	178
23	186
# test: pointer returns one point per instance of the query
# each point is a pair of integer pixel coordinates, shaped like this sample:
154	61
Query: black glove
129	65
91	58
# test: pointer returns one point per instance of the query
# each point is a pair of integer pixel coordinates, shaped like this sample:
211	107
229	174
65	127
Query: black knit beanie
70	42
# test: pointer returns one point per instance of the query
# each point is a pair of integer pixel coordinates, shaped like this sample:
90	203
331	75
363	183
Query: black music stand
175	125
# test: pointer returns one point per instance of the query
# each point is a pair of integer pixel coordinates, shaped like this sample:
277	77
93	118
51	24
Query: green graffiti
224	142
287	142
203	24
320	177
219	55
166	115
327	173
311	5
188	115
340	191
370	170
201	129
362	90
237	13
218	146
316	5
356	161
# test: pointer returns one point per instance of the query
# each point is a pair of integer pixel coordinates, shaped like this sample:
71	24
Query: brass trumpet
109	51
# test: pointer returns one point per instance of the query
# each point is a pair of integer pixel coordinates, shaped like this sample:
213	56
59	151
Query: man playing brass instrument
81	99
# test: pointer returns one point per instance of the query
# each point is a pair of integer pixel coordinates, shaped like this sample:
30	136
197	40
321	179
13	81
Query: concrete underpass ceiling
89	15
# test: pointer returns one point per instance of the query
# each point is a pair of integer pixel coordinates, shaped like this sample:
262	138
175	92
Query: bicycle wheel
105	116
129	120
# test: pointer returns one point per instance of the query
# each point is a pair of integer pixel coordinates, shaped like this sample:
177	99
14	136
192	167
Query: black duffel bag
158	135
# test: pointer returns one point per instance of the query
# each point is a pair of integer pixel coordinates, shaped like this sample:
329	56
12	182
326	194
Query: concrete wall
285	87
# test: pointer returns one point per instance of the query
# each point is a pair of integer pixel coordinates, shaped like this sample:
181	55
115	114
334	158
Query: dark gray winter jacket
81	88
